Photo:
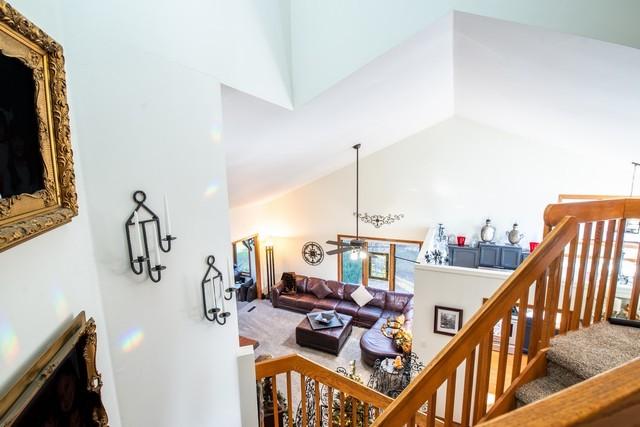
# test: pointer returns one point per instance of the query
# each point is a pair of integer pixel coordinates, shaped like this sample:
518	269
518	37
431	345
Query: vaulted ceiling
550	86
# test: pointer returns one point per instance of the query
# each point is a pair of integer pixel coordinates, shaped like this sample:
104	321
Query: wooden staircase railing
321	394
468	354
568	282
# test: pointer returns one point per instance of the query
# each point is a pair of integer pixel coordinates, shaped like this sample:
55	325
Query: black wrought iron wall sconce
214	277
139	253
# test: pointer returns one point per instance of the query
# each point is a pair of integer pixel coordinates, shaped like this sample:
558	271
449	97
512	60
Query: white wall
458	172
152	122
142	117
47	281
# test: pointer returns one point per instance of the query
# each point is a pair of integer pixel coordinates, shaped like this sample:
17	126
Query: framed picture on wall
37	180
448	321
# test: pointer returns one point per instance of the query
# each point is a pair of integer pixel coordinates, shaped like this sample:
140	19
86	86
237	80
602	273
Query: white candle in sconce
136	222
155	240
167	217
222	293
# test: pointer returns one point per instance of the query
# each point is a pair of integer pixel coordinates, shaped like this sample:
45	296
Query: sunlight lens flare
131	340
9	346
211	190
216	133
60	303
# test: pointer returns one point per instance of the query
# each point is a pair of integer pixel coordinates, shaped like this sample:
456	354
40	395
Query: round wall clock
312	253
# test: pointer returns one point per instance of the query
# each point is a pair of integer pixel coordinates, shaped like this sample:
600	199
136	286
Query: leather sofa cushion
396	301
369	314
289	300
327	304
306	302
379	298
301	283
348	307
318	287
374	345
337	290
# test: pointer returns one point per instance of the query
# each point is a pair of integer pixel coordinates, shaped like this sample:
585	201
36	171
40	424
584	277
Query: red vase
533	245
461	240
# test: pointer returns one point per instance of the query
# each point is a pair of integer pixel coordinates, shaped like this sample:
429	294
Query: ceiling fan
355	246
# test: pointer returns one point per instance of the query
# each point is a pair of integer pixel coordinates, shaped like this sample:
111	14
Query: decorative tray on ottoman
324	320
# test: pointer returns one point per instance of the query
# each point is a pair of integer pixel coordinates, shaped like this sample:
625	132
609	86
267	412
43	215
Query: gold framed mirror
37	181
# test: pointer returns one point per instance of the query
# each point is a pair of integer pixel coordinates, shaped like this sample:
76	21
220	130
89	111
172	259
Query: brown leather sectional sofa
384	304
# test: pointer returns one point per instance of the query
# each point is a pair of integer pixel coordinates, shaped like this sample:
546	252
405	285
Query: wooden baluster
538	311
595	262
431	413
520	332
504	352
482	377
289	400
450	401
468	388
412	421
635	291
551	307
303	401
316	398
342	414
604	273
354	411
565	319
365	414
584	259
330	405
274	396
615	268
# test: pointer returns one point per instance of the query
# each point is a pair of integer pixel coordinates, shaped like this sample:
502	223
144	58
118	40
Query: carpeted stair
580	355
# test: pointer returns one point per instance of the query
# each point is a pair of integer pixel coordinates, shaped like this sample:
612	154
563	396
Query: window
242	256
351	269
405	268
390	264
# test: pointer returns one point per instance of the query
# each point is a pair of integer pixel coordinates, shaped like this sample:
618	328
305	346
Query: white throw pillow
361	296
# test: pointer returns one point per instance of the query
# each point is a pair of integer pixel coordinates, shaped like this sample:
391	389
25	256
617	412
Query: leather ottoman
330	340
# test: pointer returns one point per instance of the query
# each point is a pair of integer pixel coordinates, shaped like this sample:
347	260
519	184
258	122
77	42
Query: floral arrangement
403	339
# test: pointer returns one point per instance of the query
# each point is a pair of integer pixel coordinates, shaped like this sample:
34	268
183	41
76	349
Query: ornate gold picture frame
25	214
62	387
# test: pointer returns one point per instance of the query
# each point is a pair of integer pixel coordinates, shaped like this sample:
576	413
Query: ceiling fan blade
333	242
339	250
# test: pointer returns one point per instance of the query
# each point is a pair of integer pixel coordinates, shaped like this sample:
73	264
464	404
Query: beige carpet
275	329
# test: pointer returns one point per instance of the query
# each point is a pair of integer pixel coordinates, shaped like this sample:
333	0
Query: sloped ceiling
551	87
271	150
548	86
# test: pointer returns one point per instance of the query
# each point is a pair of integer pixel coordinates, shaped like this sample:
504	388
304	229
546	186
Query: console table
487	255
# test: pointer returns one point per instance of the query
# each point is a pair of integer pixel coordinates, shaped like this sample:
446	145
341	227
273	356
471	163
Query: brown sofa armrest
275	293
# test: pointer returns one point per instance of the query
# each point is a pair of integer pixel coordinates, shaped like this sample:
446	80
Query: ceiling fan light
354	255
363	254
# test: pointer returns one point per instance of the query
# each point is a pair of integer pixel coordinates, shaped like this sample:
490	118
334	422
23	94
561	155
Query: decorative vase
514	235
461	240
488	232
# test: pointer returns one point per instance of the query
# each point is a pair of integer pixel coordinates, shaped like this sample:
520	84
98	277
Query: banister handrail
584	211
617	207
311	369
596	399
457	350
